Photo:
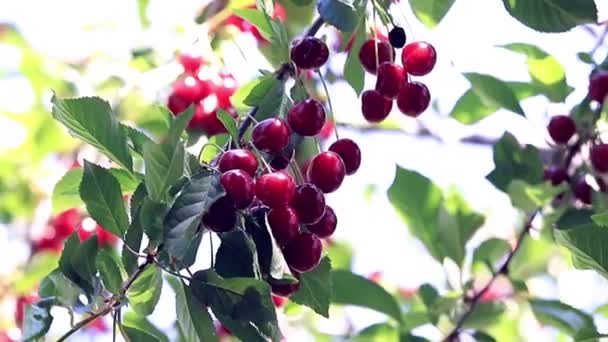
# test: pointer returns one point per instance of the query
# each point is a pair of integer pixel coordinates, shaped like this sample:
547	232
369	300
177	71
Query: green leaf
430	12
36	269
485	314
91	120
481	336
164	166
417	201
585	57
470	108
511	162
494	92
229	123
109	271
136	335
132	320
37	319
339	13
378	332
315	289
102	195
145	291
353	289
135	232
193	317
531	197
181	227
137	138
265	93
552	15
77	263
151	215
353	69
142	8
586	240
601	219
258	19
237	256
561	316
61	288
491	251
547	73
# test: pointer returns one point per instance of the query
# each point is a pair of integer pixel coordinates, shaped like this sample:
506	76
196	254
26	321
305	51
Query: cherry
598	86
326	226
599	157
327	171
104	237
239	187
275	189
374	106
561	128
303	252
191	89
284	290
397	37
278	301
350	153
66	222
367	55
271	135
582	190
284	224
224	88
238	159
281	161
413	99
177	104
221	216
307	117
556	175
418	58
309	53
309	203
190	62
48	243
390	78
205	119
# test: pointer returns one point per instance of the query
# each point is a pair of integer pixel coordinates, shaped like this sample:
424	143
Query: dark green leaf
552	15
77	263
417	200
339	13
481	336
531	197
151	215
136	335
134	235
109	271
485	314
430	12
237	256
164	166
229	123
138	139
258	19
429	295
102	195
491	251
494	92
352	289
353	70
145	291
61	288
91	120
378	332
585	58
511	162
601	218
132	320
561	316
315	289
192	316
37	319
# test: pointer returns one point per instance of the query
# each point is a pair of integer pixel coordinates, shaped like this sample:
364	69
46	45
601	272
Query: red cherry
598	86
327	171
284	224
309	203
561	128
390	78
271	135
52	244
350	153
221	216
413	99
278	301
275	189
238	159
97	326
556	175
65	223
418	58
284	290
239	187
190	63
22	301
104	238
374	106
205	118
599	157
326	226
582	190
367	55
309	53
281	161
303	252
190	89
177	104
307	117
224	89
327	130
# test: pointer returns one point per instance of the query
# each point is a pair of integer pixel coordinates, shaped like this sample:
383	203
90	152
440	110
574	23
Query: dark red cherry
309	203
326	226
190	89
275	189
327	171
177	104
374	106
561	128
599	157
239	187
309	53
598	86
582	190
66	222
205	119
413	99
224	87
271	135
418	58
303	252
390	78
350	153
284	290
190	63
238	159
221	216
555	174
367	55
284	224
307	117
281	161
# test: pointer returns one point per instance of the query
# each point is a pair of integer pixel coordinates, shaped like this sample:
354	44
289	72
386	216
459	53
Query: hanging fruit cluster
394	81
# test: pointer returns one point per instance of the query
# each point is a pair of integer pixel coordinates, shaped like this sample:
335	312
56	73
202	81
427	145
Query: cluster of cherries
296	211
208	92
393	81
562	128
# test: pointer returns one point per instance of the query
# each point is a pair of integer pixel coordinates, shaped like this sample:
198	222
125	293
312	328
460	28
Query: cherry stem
331	107
295	169
211	250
